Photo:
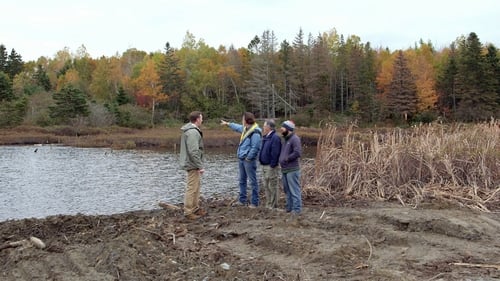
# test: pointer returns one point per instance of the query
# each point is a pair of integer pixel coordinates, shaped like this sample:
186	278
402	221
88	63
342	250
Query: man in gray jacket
191	160
291	151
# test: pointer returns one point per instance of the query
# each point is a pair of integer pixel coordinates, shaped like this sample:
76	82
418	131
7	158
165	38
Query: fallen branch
13	244
157	234
33	241
495	266
371	249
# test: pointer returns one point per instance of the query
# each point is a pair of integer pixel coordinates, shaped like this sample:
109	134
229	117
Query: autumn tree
101	87
402	96
148	85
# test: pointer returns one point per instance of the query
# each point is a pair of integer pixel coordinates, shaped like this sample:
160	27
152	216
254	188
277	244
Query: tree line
310	80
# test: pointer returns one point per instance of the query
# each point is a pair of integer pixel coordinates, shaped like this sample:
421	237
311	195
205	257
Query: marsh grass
457	164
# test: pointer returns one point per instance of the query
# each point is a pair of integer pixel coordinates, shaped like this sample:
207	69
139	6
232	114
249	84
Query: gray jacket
191	154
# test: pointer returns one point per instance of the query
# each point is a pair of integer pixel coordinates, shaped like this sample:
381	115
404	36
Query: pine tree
69	103
446	84
6	93
170	76
3	58
42	78
15	64
402	95
476	91
122	97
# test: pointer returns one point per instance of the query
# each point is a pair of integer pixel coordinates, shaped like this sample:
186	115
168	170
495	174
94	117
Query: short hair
249	118
194	115
270	123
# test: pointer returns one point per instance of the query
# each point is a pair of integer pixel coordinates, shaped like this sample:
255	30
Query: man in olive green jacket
191	160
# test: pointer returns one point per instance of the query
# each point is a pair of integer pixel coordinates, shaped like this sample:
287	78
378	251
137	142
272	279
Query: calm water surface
38	181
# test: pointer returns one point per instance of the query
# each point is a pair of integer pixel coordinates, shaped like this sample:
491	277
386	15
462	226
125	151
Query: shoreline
126	138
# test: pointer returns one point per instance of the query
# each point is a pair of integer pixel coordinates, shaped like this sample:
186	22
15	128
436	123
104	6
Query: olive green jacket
191	154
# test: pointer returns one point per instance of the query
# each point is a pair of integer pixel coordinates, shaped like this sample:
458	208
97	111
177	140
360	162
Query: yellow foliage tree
149	87
421	62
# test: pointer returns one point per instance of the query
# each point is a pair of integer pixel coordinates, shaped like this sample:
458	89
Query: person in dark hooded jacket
291	151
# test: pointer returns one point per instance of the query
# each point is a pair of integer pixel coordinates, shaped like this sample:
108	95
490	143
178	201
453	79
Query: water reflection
67	180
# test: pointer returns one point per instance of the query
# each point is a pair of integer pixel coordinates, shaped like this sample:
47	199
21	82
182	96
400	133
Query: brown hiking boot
201	212
192	217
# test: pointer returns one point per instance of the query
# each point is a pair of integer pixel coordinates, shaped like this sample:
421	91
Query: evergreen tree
402	95
12	112
6	93
3	58
170	76
42	78
446	84
492	88
321	75
367	91
476	91
122	97
69	103
15	64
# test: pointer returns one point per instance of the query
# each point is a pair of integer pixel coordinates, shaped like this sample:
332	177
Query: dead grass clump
457	163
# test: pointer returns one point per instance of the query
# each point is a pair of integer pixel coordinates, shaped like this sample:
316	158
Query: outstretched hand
222	122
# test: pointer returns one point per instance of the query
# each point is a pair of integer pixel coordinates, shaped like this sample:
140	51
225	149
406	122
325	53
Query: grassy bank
126	138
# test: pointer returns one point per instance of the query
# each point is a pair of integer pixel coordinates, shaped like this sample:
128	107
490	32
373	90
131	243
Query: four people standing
248	151
269	161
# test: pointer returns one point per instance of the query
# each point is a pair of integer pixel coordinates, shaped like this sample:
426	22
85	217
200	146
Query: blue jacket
270	150
291	151
250	146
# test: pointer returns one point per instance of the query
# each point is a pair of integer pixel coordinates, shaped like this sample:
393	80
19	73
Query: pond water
39	181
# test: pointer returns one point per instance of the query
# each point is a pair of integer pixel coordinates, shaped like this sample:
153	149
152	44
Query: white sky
37	28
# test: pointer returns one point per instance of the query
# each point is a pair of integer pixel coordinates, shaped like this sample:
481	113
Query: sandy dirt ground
361	241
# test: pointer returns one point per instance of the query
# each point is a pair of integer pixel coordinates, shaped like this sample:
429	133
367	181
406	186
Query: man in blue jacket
269	161
248	151
291	151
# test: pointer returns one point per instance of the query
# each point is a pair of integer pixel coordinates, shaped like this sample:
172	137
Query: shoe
252	206
201	212
168	206
192	217
238	204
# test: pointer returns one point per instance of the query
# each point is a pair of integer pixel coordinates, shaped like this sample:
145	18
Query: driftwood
495	266
32	241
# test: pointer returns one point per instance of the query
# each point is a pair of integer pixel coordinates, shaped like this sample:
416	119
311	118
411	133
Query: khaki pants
270	180
192	194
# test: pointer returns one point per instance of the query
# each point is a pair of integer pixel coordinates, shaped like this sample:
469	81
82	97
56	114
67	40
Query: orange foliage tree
149	87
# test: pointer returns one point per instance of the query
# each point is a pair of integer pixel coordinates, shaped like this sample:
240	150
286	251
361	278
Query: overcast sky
37	28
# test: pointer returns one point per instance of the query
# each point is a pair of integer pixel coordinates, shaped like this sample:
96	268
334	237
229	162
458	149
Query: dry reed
456	164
